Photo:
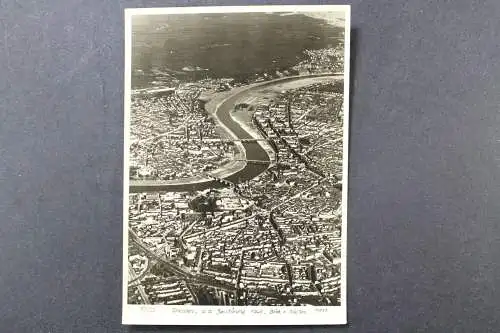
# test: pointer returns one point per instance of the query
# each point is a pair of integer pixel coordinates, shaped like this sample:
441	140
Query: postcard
236	160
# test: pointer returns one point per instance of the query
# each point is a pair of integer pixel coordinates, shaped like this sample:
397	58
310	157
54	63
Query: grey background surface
424	233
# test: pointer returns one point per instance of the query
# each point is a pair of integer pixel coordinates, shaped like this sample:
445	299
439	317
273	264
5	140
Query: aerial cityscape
235	159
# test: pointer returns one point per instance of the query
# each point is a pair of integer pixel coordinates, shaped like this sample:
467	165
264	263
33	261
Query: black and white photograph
236	159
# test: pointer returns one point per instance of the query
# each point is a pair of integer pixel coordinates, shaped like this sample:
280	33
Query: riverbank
220	107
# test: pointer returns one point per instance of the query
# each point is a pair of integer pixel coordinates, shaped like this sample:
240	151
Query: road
142	292
181	273
253	150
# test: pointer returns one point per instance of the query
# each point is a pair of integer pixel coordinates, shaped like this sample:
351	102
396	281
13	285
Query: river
253	150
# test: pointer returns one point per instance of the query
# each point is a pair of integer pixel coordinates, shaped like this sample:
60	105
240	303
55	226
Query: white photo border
235	315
